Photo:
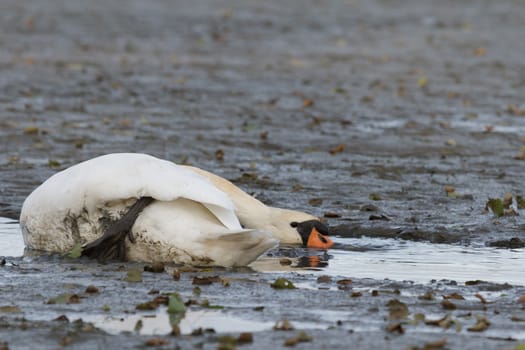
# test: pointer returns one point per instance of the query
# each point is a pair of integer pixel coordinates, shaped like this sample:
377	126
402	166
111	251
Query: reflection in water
313	261
405	260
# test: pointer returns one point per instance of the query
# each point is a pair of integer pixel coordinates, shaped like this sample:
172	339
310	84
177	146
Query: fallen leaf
150	305
11	309
496	206
91	289
31	130
315	202
307	102
138	326
521	299
481	298
283	325
75	252
395	327
422	81
219	154
449	189
282	283
134	276
324	279
427	296
451	143
481	325
435	345
156	342
448	305
205	280
337	149
480	51
285	261
521	202
455	296
53	163
205	303
515	110
175	304
507	200
157	267
245	338
374	196
65	298
397	309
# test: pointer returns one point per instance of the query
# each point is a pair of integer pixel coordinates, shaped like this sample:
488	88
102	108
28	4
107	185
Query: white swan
142	208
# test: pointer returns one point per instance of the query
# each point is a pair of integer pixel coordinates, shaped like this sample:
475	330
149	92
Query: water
417	261
380	259
11	242
160	322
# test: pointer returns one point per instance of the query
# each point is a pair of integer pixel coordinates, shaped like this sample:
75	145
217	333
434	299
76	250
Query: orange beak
317	240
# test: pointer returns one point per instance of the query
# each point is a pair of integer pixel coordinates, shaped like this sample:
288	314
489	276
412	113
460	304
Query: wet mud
390	119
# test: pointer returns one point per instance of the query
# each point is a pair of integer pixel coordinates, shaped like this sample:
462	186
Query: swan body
194	217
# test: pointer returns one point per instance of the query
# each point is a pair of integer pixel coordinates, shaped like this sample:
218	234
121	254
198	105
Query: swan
137	207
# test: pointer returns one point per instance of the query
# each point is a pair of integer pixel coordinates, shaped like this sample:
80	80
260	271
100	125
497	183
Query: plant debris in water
283	283
134	275
175	304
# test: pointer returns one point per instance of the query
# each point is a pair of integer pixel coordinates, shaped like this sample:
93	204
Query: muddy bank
339	102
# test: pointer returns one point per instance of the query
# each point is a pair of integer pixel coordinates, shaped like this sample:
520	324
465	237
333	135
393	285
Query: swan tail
240	248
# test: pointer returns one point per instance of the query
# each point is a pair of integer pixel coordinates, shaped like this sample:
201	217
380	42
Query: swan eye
294	224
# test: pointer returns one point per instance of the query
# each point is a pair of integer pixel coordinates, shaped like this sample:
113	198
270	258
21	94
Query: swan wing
118	176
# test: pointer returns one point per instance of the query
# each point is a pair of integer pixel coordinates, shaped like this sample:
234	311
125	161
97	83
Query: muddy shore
394	119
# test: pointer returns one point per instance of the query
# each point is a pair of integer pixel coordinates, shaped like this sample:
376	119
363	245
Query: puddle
160	323
11	242
380	259
414	261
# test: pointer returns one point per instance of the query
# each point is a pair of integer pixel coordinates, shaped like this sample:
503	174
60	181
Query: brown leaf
157	267
283	325
219	154
245	338
480	51
337	149
91	289
324	279
330	214
395	327
397	310
448	305
454	296
205	280
481	298
481	325
435	345
156	342
307	102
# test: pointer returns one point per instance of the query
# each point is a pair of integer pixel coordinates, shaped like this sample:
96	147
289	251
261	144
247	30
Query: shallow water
373	258
161	322
418	262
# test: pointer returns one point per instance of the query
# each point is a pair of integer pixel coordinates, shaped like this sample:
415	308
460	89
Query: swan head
297	227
